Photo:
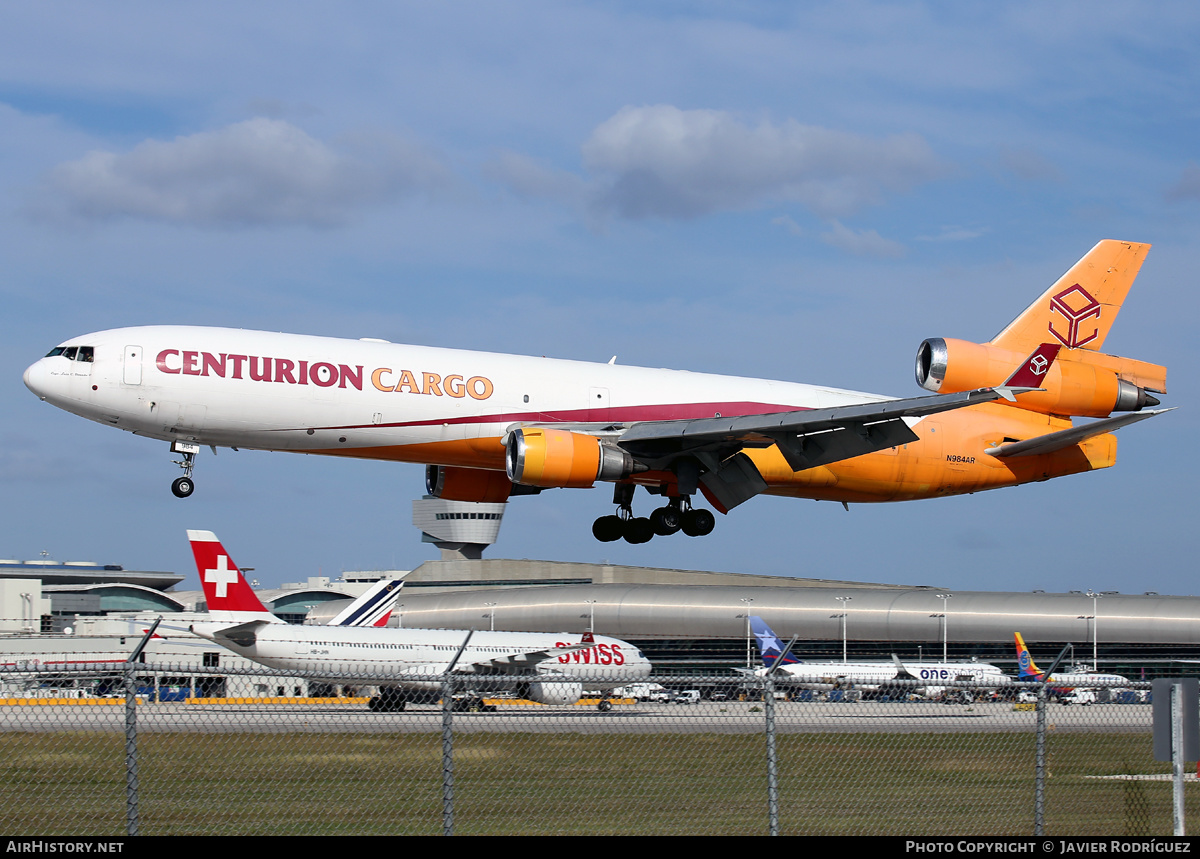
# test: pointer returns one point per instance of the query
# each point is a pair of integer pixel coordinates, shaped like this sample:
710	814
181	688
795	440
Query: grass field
509	784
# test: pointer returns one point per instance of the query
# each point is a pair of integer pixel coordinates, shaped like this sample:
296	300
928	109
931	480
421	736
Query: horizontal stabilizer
1068	437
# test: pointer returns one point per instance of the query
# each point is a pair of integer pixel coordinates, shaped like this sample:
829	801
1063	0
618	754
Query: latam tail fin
1079	309
373	608
769	645
226	591
1026	668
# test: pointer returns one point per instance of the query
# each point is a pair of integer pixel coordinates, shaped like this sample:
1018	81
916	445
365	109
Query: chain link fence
148	749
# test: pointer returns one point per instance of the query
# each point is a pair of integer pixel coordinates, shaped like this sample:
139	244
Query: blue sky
801	194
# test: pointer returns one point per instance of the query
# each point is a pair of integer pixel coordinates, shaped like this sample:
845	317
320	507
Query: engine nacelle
467	484
1080	388
538	456
558	692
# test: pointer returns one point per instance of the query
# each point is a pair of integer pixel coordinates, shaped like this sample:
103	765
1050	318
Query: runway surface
710	717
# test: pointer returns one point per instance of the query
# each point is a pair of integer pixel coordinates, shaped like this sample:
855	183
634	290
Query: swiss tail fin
1026	668
226	591
769	645
1079	309
373	608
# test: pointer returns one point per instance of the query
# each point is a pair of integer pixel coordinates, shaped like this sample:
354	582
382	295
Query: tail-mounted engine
544	457
1079	383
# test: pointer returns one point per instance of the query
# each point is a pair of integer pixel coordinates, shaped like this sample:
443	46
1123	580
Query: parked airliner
544	667
489	426
1062	682
937	676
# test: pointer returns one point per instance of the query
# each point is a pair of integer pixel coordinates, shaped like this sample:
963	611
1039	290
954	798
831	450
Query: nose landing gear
182	487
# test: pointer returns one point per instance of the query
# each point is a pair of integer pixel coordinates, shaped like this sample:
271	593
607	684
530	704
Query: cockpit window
69	354
57	350
86	354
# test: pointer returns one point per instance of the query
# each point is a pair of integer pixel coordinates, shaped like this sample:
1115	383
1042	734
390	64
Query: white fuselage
291	392
838	675
405	656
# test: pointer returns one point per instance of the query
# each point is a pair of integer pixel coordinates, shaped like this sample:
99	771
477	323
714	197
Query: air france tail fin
1026	668
226	591
769	645
373	608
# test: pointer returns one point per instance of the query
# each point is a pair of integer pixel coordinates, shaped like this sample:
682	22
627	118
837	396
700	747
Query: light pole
1095	623
745	601
400	615
945	620
843	601
492	614
591	604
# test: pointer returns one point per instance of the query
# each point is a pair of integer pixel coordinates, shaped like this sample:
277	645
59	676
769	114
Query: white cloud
261	171
661	161
527	178
862	243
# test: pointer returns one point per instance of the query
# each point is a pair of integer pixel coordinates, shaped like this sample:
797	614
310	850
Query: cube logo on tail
1032	373
225	588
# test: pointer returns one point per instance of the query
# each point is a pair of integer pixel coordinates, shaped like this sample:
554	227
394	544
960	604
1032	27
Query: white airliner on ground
1062	682
937	676
545	667
488	426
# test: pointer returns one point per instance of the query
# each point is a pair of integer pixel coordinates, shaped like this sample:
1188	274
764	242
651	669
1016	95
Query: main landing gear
182	486
677	515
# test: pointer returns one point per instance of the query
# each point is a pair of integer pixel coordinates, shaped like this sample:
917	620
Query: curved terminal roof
812	613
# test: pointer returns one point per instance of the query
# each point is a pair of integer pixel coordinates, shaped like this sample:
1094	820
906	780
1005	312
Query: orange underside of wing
948	459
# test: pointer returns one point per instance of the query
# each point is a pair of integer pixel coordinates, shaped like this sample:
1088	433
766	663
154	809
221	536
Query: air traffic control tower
461	529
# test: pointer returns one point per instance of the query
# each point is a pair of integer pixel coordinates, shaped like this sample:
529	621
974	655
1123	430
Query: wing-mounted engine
551	692
540	456
467	484
1078	383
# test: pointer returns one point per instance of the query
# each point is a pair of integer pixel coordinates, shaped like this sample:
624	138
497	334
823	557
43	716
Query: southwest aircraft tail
226	590
1026	668
769	645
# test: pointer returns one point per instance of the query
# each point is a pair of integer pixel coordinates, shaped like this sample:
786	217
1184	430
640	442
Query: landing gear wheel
606	529
697	523
604	706
666	520
638	530
182	487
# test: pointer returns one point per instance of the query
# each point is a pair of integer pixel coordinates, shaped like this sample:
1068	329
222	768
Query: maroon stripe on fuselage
625	414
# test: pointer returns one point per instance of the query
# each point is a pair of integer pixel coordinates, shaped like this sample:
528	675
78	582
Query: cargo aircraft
548	668
938	677
489	426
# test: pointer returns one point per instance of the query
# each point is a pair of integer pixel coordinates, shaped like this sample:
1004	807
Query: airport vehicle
1060	682
938	676
491	426
544	667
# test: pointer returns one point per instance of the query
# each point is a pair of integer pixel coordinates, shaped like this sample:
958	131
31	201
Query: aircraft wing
521	663
1068	437
242	634
806	438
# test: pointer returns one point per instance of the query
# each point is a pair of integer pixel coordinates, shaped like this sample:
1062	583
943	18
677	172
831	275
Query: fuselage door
132	371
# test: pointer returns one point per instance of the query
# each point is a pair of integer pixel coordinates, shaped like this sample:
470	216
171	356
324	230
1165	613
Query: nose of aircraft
35	378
